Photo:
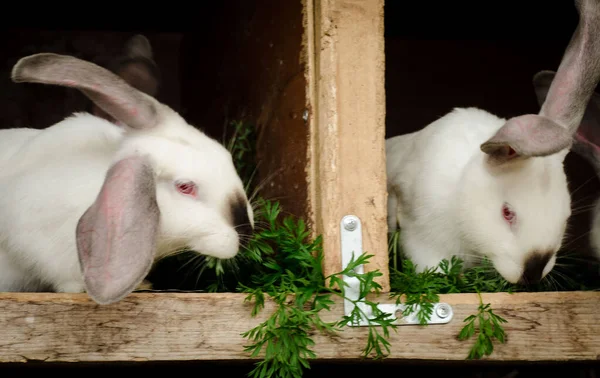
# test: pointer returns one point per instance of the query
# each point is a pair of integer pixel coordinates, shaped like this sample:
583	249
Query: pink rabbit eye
187	188
508	214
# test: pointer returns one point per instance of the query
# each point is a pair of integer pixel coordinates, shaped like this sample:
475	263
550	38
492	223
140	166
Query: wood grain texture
347	170
191	326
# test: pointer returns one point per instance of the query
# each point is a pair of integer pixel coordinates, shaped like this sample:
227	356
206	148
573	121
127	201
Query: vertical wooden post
346	70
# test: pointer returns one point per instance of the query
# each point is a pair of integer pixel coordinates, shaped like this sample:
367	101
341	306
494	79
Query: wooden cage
326	81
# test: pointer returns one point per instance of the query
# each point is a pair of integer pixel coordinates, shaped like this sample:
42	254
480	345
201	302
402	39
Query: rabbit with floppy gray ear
586	143
474	185
88	205
137	67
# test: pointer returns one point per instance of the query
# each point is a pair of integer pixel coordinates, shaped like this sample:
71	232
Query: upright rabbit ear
116	236
553	128
138	46
586	142
137	65
107	90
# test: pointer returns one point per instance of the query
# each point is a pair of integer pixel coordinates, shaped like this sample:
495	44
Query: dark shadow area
330	369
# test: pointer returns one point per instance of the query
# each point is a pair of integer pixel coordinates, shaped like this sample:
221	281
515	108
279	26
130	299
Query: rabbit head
524	161
169	185
137	67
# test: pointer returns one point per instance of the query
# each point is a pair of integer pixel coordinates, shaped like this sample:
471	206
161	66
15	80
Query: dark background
332	369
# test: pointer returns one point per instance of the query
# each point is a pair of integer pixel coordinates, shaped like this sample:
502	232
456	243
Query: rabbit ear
526	136
568	95
587	138
138	46
110	92
137	66
140	74
116	236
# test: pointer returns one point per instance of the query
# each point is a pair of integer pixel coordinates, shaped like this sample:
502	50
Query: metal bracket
351	246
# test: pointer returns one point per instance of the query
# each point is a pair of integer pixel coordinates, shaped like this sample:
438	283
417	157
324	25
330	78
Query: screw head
350	223
442	310
305	115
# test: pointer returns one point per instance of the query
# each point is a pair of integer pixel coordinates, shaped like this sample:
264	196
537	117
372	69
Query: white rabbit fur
474	185
447	199
50	178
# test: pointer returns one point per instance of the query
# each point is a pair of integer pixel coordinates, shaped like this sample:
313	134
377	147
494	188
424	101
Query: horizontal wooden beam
191	326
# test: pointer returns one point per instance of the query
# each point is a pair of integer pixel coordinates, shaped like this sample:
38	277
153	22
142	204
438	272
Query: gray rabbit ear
586	142
567	97
107	90
116	236
137	66
526	136
138	46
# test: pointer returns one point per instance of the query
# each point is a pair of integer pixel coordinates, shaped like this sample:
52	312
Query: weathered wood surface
189	326
347	90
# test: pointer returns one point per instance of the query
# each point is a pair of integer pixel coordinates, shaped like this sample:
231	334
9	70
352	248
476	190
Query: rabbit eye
186	187
508	214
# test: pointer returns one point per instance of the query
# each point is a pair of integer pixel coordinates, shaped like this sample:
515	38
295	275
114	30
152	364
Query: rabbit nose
534	267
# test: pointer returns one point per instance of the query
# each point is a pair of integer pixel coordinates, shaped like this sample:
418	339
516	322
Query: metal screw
442	310
305	115
350	223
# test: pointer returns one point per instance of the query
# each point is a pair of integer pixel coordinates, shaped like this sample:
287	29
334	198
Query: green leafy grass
421	290
488	326
292	277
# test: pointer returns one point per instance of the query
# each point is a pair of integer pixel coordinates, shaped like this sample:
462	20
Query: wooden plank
347	89
191	326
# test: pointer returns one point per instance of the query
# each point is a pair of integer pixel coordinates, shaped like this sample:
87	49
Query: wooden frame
189	326
348	135
345	95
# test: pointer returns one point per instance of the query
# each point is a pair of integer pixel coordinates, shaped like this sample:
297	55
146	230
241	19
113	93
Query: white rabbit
87	205
475	185
586	144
